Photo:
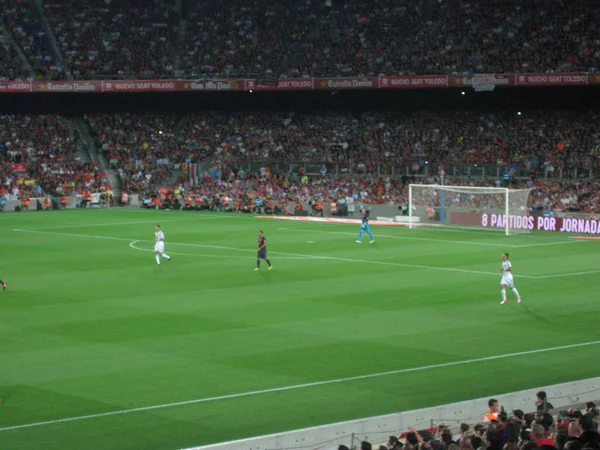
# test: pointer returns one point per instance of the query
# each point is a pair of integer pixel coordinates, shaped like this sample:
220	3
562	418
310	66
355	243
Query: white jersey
507	276
159	241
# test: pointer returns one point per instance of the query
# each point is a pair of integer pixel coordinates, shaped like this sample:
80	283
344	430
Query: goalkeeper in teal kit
364	226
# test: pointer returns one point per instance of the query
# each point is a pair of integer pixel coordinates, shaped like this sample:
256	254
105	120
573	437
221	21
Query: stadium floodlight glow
485	208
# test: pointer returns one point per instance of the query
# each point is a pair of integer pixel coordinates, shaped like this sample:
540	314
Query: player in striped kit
159	245
507	280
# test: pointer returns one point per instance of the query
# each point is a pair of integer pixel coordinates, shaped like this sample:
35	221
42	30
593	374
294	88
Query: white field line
568	274
138	222
412	238
330	258
547	243
204	255
299	386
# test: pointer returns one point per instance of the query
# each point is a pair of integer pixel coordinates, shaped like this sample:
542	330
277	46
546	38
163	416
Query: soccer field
103	349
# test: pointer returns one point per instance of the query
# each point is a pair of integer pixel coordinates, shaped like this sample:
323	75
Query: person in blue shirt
364	226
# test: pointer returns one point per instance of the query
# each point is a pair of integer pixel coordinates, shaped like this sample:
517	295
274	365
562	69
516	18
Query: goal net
485	208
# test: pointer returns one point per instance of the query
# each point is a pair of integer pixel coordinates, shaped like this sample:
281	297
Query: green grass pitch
91	325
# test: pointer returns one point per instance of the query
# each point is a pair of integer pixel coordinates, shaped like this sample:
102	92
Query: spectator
272	39
492	414
542	402
492	441
538	435
590	408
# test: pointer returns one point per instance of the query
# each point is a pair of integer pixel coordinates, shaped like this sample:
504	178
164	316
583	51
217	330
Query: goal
487	208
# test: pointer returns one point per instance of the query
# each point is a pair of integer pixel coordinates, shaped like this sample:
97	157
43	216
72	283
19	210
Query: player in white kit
159	245
507	280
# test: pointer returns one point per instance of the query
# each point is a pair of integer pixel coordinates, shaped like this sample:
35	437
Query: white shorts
508	280
159	247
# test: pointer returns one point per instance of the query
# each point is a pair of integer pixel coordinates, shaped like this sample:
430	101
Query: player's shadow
535	315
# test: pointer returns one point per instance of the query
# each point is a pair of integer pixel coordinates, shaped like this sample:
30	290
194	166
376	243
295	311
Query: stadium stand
145	39
264	154
22	19
115	39
11	66
542	141
572	428
541	144
39	155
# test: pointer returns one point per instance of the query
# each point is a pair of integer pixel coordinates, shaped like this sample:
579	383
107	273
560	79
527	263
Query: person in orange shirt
25	203
87	199
319	207
333	209
46	205
63	202
430	213
269	208
224	204
286	209
493	412
156	203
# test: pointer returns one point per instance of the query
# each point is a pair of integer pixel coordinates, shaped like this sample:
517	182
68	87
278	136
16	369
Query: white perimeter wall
377	429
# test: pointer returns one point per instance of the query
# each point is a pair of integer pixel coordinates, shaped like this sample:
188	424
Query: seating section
151	39
538	142
38	155
268	155
115	39
22	20
243	149
571	428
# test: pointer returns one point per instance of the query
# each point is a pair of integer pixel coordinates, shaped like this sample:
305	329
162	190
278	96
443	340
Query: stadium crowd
115	39
38	154
21	18
264	155
238	191
542	142
155	39
572	429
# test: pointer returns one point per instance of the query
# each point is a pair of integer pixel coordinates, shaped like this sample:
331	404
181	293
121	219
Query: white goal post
486	208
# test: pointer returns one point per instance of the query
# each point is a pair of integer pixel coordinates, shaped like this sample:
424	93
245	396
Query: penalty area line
296	386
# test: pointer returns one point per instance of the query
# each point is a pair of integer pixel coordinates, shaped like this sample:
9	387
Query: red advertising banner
141	86
479	82
428	81
214	85
552	79
284	84
565	225
19	167
15	86
67	86
498	80
347	83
